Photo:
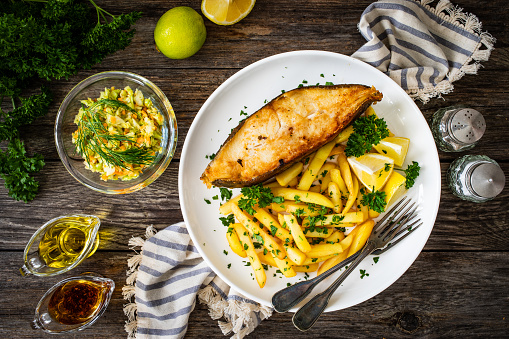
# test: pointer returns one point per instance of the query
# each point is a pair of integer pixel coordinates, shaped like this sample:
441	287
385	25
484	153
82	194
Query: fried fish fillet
287	129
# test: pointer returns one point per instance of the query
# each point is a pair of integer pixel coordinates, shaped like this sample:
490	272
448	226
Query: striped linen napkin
423	49
166	277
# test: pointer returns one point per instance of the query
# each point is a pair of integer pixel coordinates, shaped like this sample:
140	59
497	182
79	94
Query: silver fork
291	296
285	299
383	232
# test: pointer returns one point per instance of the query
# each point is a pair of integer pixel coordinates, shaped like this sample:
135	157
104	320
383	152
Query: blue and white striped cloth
423	49
165	279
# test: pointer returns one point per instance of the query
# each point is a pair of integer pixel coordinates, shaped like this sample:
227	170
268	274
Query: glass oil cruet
61	244
73	304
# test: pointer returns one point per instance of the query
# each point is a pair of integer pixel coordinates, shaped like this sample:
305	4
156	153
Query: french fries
313	169
246	242
268	242
285	177
308	220
234	242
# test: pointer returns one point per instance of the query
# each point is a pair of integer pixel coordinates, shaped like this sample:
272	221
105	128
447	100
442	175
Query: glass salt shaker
475	178
457	128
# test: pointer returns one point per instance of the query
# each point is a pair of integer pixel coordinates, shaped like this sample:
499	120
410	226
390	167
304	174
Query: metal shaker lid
487	180
467	125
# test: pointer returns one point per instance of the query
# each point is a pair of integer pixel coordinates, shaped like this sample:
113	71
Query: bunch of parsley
46	40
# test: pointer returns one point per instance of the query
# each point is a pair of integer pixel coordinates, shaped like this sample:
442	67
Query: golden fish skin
287	129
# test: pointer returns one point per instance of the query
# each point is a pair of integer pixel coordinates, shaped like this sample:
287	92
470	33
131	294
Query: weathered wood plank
441	295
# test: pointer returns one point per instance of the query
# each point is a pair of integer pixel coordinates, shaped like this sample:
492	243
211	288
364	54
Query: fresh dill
93	137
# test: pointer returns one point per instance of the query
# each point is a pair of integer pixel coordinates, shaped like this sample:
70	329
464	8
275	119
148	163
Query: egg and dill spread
119	133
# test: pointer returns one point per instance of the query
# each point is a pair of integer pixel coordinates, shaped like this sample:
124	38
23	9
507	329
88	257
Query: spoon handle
288	297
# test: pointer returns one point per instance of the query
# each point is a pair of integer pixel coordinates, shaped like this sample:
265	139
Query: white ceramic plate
247	91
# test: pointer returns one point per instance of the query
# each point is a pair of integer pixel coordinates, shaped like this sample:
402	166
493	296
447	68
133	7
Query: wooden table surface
457	287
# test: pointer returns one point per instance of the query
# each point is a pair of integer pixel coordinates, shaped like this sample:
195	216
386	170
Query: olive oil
76	301
63	243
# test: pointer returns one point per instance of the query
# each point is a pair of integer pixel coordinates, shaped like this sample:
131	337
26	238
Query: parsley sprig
412	172
257	195
374	200
368	131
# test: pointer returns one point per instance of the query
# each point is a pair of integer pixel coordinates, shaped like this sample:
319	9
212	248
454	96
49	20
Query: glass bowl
91	88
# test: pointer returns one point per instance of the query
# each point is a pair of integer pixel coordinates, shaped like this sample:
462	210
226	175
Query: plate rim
233	78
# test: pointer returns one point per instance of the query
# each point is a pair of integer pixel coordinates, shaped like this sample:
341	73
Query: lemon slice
394	187
372	169
226	12
394	147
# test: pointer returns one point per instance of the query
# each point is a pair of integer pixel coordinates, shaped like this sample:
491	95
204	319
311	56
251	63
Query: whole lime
180	33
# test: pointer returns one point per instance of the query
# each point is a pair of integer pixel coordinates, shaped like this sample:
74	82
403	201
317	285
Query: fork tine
406	228
392	244
400	222
400	219
391	213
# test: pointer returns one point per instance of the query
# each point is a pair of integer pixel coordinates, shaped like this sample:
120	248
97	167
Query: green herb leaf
412	172
228	220
368	131
226	194
374	200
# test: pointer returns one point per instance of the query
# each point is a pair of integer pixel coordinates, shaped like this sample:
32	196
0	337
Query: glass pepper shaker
457	128
475	178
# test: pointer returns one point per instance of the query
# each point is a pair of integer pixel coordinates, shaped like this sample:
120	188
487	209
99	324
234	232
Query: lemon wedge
394	187
226	12
372	169
394	147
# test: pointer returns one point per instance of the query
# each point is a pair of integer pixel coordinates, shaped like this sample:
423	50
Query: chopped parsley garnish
328	83
211	157
387	167
215	197
257	245
259	238
313	221
228	220
364	274
337	219
299	212
225	193
412	172
225	252
321	75
273	230
229	265
375	259
297	198
207	201
374	200
242	113
368	131
257	194
278	200
246	246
